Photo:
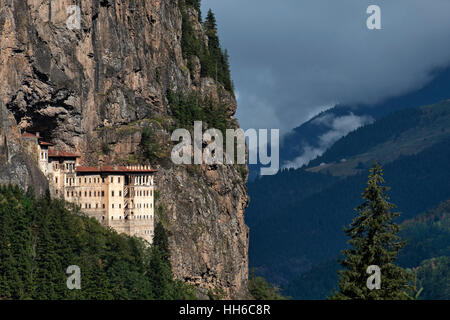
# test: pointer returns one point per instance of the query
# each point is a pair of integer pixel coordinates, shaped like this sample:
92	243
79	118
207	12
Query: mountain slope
427	252
301	226
307	139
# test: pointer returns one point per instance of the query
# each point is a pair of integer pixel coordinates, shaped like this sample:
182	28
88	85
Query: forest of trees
313	222
190	107
41	238
426	254
214	60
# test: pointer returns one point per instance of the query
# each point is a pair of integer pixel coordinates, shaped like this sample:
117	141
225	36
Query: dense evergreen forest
41	238
296	216
426	254
314	222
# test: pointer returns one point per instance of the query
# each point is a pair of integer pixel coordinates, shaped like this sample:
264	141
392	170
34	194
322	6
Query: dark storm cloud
291	59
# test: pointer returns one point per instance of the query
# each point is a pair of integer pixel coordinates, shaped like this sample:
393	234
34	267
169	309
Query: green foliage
213	60
314	284
428	236
296	223
149	145
260	289
40	238
434	278
216	294
196	4
373	241
217	65
106	149
187	108
160	271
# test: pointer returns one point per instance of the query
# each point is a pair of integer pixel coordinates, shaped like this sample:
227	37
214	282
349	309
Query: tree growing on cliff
374	242
218	65
160	274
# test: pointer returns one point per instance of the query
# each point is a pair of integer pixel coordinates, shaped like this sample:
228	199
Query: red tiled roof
43	143
113	169
61	154
28	135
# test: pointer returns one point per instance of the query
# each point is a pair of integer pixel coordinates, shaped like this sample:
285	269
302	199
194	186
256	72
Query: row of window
145	232
88	206
102	194
71	181
139	217
143	193
90	193
138	206
67	166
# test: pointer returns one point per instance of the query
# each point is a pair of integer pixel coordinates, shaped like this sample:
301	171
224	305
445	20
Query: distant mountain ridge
297	222
308	134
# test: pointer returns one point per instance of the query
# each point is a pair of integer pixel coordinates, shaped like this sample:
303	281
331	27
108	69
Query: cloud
339	127
290	58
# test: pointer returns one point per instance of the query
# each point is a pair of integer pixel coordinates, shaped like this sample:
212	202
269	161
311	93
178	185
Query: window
85	193
103	206
68	194
103	193
90	193
118	179
96	206
120	193
85	180
89	205
112	179
112	205
90	180
112	193
120	206
79	180
56	179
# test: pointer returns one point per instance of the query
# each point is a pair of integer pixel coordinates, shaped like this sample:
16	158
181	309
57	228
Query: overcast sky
291	59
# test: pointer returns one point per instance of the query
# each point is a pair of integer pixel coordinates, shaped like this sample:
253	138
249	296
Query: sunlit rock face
91	90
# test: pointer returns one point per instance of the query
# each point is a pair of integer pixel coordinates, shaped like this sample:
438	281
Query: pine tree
211	30
160	269
373	241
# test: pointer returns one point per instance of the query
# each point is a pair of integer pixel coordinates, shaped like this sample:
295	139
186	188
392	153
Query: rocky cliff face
92	90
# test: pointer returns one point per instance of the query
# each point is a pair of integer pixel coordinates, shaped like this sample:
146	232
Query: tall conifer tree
374	242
